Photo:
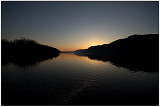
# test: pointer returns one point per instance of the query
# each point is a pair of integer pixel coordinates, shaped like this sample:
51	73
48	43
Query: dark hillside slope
135	44
137	52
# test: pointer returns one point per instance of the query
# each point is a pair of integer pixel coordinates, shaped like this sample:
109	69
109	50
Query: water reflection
26	60
133	64
77	80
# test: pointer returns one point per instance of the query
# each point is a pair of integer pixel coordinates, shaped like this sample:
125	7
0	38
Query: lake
77	80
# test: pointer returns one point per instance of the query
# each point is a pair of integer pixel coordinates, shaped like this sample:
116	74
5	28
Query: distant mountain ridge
139	43
136	52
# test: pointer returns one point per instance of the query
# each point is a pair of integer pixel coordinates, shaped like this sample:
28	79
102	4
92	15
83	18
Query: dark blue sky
76	25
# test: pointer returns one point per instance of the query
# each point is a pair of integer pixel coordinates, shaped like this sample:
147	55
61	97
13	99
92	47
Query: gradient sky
70	26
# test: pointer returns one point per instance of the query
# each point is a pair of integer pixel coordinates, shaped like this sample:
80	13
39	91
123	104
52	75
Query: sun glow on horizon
83	46
93	43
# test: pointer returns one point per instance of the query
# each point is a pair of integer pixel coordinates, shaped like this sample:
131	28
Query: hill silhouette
26	52
136	52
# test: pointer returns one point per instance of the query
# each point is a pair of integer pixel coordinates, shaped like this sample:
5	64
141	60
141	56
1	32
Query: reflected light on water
66	56
70	79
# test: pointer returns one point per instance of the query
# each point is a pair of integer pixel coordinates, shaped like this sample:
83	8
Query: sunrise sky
69	26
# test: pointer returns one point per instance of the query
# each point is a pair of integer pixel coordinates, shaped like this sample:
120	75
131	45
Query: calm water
77	80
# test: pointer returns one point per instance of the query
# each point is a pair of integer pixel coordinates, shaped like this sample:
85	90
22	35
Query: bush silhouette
26	51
